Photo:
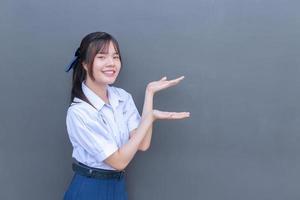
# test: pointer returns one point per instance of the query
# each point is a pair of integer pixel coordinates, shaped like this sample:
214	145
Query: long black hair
90	46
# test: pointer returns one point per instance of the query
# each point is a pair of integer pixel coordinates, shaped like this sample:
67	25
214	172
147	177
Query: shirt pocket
122	122
103	124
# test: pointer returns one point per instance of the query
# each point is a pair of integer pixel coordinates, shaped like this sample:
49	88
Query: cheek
98	64
119	67
118	64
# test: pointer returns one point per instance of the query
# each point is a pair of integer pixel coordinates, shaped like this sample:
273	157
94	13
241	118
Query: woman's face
106	66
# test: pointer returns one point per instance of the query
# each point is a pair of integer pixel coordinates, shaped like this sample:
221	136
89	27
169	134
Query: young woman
103	123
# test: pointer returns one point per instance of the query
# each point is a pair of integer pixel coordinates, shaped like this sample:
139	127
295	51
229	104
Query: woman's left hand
163	83
157	114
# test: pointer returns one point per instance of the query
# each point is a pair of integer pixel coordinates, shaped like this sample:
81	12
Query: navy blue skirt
87	188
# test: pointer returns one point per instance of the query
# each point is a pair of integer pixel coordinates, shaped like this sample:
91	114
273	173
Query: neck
99	89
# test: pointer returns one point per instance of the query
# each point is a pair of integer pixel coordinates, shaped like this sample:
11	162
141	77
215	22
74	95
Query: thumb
163	78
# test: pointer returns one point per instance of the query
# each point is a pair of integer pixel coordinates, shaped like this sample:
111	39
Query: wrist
149	92
151	116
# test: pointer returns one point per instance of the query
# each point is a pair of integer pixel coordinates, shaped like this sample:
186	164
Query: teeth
109	72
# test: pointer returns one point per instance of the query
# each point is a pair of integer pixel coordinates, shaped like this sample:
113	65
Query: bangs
103	48
100	46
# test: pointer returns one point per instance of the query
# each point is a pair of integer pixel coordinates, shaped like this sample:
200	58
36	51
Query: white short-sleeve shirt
98	131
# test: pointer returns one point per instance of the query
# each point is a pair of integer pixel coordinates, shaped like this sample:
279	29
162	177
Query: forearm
124	155
147	108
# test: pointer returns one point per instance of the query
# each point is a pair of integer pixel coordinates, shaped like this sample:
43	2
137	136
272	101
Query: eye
101	57
116	57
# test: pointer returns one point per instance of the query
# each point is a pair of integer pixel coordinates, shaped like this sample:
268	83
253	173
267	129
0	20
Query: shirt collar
114	97
96	101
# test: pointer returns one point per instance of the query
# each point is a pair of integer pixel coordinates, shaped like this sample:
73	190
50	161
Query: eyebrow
108	53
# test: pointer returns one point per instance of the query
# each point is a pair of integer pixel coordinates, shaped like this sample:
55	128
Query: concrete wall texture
240	60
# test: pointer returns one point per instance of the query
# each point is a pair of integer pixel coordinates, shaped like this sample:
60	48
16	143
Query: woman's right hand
157	114
162	84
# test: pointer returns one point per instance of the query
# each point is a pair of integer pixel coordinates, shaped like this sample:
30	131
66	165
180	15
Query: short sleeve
88	137
133	117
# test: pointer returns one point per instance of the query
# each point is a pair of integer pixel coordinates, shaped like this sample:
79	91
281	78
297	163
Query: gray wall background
241	63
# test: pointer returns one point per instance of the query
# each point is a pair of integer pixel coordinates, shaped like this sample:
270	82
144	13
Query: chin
110	81
104	82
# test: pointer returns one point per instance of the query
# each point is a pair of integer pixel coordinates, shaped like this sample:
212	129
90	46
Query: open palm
163	83
157	114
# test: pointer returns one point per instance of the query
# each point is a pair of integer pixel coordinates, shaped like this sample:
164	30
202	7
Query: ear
85	66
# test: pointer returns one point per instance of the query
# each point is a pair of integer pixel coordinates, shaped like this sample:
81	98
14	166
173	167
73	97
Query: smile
109	72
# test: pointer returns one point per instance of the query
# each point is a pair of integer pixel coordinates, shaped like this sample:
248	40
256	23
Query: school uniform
97	131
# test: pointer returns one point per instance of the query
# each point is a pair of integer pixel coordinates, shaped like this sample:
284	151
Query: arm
141	136
151	89
147	108
121	158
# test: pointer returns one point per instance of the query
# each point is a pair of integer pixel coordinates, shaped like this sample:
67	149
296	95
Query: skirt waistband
85	170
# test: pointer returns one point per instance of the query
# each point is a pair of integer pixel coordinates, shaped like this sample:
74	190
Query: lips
109	72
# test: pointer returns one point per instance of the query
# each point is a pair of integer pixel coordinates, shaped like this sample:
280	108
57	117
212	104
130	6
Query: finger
171	115
178	79
170	83
179	115
163	78
175	81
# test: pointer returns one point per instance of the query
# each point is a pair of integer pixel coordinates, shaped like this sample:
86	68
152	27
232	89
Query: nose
110	61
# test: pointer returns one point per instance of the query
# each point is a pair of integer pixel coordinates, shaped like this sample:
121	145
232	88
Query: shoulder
80	109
